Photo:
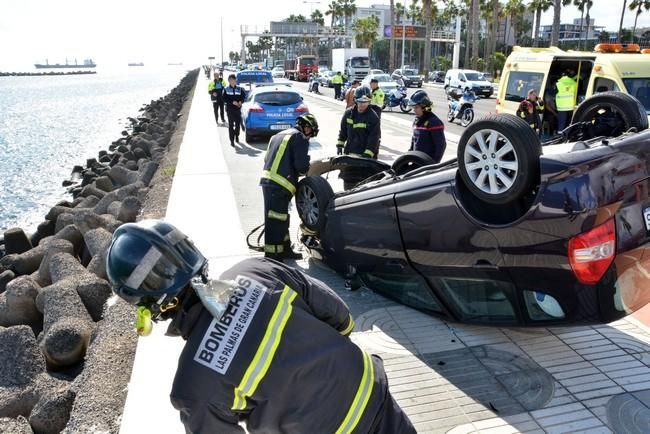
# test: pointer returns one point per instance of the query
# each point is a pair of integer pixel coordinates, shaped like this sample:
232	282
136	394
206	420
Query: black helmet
309	120
420	97
150	262
362	94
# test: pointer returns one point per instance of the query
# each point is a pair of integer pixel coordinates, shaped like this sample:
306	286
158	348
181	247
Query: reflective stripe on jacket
566	94
359	133
429	136
286	159
378	97
278	358
337	79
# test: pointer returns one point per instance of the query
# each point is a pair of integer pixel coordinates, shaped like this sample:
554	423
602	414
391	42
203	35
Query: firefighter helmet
309	120
362	94
420	97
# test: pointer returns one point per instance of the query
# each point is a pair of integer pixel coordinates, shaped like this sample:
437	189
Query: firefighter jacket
232	94
565	98
359	133
530	111
286	159
429	136
217	85
278	358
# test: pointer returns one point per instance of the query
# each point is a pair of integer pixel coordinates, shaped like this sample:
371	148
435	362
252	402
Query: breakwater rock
66	348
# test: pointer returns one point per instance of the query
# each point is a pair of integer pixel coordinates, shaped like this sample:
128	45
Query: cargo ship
136	64
88	63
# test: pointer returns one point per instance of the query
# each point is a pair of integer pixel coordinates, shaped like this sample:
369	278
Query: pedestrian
337	82
215	89
358	134
549	120
428	129
530	110
234	96
565	99
377	97
286	159
265	344
349	94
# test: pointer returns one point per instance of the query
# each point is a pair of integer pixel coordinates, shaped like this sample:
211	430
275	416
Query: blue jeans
563	119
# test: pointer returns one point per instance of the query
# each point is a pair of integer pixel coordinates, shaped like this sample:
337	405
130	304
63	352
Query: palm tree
391	49
538	6
620	25
588	5
348	8
414	13
515	10
400	13
428	13
365	30
555	33
638	5
317	17
334	10
475	32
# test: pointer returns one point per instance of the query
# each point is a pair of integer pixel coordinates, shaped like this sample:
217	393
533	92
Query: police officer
359	133
234	97
428	129
215	89
565	99
531	109
337	82
377	97
286	159
265	343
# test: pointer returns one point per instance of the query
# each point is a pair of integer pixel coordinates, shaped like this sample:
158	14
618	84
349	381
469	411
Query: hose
259	247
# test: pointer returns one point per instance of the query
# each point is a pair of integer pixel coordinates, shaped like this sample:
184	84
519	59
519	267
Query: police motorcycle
313	85
397	97
461	105
344	89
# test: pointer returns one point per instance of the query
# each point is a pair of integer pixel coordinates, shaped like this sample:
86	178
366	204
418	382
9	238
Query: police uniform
278	358
286	159
377	101
233	94
565	100
337	82
429	136
215	89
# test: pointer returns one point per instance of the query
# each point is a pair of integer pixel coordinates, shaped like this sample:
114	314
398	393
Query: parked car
437	76
270	109
469	79
510	232
277	72
377	71
254	77
325	79
409	77
385	82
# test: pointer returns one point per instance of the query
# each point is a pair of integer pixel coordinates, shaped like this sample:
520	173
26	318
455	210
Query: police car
270	109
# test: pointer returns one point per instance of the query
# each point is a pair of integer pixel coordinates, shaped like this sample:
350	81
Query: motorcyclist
428	129
264	343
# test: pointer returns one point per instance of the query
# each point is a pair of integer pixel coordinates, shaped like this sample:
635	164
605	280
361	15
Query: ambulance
610	67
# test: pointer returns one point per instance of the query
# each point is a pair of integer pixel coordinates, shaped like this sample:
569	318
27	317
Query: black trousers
234	123
218	109
276	219
337	91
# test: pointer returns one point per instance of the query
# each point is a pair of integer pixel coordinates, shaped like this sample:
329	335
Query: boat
88	63
136	64
175	63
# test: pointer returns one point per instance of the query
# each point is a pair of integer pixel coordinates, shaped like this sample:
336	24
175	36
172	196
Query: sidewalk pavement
448	377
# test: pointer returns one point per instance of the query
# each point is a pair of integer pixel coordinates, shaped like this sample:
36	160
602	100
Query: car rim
308	205
491	161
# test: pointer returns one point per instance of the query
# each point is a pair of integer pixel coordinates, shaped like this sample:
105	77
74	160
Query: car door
459	258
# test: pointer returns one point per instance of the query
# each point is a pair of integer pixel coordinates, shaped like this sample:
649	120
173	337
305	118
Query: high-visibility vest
337	79
566	94
377	97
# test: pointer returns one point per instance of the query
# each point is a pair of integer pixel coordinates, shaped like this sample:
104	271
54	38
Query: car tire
612	113
312	198
410	160
249	138
498	159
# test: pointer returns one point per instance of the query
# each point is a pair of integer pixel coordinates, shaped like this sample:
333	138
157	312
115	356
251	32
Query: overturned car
511	232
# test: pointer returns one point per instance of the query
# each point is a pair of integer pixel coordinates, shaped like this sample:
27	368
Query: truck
353	62
300	68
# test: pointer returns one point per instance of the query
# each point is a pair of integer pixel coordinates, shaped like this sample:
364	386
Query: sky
116	32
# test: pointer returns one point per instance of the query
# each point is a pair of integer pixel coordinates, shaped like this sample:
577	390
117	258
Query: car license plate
280	127
646	218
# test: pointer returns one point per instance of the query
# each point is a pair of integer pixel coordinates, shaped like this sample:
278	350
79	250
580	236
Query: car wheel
403	106
612	113
249	138
498	158
467	117
312	197
409	161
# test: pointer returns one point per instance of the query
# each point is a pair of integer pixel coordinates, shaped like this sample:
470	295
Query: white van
468	78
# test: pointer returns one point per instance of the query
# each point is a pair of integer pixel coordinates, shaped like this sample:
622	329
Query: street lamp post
311	5
403	42
221	28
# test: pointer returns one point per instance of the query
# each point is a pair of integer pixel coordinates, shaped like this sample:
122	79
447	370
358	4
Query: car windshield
382	77
410	72
278	68
640	89
359	62
307	62
278	98
254	77
474	76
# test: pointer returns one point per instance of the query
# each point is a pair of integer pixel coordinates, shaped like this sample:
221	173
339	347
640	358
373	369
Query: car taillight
592	252
256	108
302	109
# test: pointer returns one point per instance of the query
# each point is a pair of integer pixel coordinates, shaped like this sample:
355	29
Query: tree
515	10
620	25
428	20
400	13
538	6
497	61
587	4
234	57
317	17
365	31
414	13
638	5
347	9
265	43
296	19
555	33
604	36
475	32
334	10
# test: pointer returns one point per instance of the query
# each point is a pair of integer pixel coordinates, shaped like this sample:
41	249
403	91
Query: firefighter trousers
276	220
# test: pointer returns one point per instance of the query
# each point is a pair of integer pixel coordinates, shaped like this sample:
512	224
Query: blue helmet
150	262
420	97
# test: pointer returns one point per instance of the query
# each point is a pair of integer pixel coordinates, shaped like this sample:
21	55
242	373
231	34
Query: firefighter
565	98
337	82
530	110
286	159
359	133
265	344
215	89
234	97
377	97
428	129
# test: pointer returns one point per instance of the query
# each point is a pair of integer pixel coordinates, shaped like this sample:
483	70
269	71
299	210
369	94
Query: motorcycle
313	85
397	97
344	89
461	105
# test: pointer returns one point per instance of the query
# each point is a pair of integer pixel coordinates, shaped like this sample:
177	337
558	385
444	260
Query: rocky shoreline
67	345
